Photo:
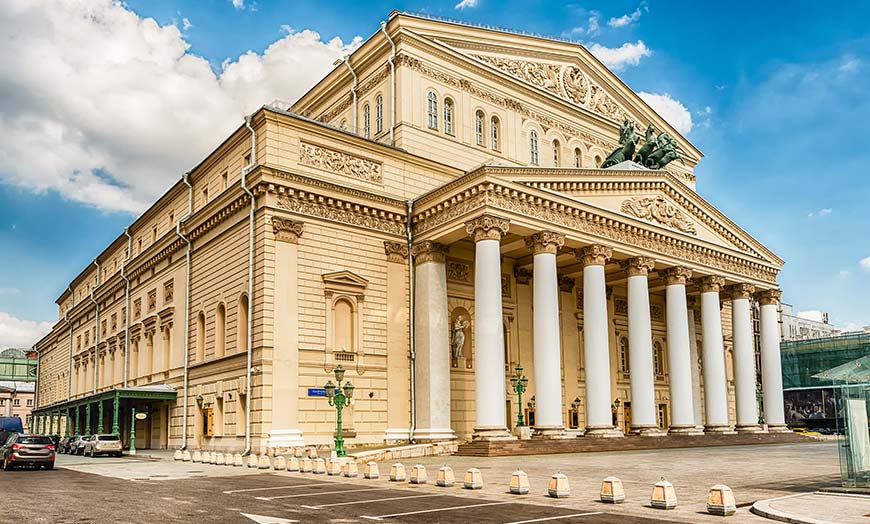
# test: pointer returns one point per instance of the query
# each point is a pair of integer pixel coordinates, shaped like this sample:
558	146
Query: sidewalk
816	508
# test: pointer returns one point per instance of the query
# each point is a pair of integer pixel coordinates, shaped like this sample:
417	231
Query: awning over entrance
151	392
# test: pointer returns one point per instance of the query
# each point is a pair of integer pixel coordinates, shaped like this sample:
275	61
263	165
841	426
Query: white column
643	394
596	349
489	373
547	343
696	368
713	357
744	359
771	365
679	351
432	339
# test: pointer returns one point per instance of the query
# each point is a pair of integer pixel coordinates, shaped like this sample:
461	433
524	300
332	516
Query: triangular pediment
343	280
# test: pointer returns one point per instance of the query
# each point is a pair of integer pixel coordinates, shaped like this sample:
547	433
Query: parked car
8	426
67	443
79	444
107	444
27	450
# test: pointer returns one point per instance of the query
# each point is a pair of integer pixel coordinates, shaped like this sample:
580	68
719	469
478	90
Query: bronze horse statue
628	141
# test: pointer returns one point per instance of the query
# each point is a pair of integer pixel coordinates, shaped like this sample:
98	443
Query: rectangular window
30	402
16	402
224	178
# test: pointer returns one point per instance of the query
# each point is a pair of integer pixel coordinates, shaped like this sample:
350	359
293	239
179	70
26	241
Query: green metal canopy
150	392
855	371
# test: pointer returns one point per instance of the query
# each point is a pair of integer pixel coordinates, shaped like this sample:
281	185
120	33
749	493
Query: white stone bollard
238	461
519	482
253	461
206	457
350	469
333	467
228	459
186	456
664	496
280	463
264	462
197	456
445	478
178	454
219	459
397	472
292	464
319	466
306	465
418	474
473	479
612	491
371	471
559	486
720	501
298	452
312	453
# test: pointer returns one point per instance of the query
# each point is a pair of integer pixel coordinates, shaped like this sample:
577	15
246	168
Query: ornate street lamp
339	396
520	383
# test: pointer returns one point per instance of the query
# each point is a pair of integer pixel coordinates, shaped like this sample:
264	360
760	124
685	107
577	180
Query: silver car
107	444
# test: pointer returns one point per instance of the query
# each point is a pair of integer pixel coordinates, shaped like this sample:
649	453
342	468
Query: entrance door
627	414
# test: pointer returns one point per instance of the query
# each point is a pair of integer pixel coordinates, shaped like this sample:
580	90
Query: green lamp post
339	396
520	383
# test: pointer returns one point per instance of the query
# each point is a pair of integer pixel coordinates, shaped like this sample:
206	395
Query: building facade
795	327
17	400
430	216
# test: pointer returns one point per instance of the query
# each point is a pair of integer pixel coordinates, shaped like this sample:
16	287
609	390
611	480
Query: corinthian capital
545	242
638	266
676	275
287	230
487	227
710	284
769	296
396	251
741	290
428	251
594	255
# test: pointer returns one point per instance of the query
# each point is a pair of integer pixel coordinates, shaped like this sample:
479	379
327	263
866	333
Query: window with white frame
556	149
493	133
433	110
624	364
379	114
367	121
448	116
577	157
478	127
533	146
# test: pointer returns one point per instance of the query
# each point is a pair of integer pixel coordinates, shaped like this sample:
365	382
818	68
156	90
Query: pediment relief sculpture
657	209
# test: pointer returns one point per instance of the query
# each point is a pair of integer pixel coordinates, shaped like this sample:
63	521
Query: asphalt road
66	497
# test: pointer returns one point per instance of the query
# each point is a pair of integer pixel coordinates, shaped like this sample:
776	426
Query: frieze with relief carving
340	163
657	209
458	271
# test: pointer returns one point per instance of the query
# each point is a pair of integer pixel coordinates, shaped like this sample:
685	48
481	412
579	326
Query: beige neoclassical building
430	215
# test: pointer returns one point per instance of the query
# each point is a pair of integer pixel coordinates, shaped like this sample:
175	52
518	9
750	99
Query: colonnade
432	325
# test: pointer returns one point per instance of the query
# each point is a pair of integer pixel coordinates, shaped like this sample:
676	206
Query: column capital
638	266
676	275
487	227
287	230
428	251
594	255
396	251
740	290
523	275
566	283
769	296
545	242
710	284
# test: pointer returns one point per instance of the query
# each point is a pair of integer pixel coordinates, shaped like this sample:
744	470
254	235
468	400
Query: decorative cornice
396	251
522	275
594	255
769	297
287	230
337	210
676	275
740	290
298	179
428	251
487	227
638	266
710	284
341	163
545	242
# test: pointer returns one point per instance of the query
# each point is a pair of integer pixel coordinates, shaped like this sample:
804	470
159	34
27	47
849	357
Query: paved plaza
136	489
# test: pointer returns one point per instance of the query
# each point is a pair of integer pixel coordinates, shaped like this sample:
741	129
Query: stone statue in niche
458	338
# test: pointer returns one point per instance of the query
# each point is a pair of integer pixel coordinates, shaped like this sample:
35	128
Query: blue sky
104	106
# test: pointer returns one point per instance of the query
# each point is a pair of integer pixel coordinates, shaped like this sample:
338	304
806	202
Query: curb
762	508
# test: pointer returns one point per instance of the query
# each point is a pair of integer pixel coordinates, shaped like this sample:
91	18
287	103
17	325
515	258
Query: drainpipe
185	380
69	323
353	92
127	305
249	342
96	326
392	62
409	235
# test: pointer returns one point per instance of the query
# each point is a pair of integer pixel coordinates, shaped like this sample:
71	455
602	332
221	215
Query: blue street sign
316	392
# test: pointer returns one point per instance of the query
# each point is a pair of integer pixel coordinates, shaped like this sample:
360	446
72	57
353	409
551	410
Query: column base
647	431
286	438
749	428
394	436
778	428
550	432
719	430
522	432
603	432
433	434
491	433
692	431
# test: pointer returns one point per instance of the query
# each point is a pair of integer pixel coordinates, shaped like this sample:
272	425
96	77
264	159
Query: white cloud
591	28
812	314
19	333
625	20
466	3
108	109
865	263
616	58
844	273
185	24
239	4
670	109
820	213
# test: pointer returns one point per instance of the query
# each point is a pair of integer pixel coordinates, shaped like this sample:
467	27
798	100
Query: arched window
220	331
533	146
624	364
367	121
242	329
343	338
433	110
200	337
597	161
658	359
448	116
478	127
493	133
556	149
577	157
379	114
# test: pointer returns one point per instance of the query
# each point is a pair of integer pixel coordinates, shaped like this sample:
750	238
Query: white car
103	445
